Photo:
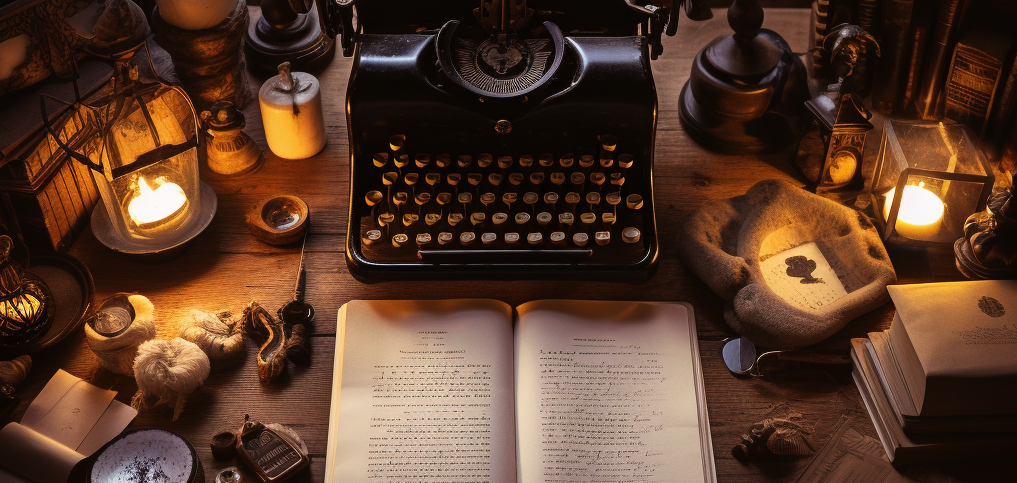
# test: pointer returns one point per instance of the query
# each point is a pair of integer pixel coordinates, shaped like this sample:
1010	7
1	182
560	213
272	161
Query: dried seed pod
219	335
269	331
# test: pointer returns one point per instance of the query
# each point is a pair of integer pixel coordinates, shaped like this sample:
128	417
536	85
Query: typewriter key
488	238
465	198
399	240
409	219
374	197
580	239
401	160
499	218
625	161
608	141
371	236
464	160
444	238
400	197
474	178
443	160
488	198
557	238
572	197
535	238
396	142
411	178
511	238
389	178
545	160
515	179
617	179
504	162
467	237
530	198
423	239
588	218
608	217
422	198
454	218
478	217
613	198
630	235
593	198
484	160
422	160
386	218
494	179
537	178
586	160
432	178
557	177
602	237
634	201
578	177
522	218
566	219
551	198
525	161
443	198
509	198
432	218
380	159
566	160
606	162
597	178
453	179
544	218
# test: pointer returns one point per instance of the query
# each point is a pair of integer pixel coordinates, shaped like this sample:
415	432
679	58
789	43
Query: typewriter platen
501	138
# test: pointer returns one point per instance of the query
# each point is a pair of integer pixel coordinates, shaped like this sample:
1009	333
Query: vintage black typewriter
501	138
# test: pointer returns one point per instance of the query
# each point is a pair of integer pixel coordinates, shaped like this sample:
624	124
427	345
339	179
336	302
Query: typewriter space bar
571	255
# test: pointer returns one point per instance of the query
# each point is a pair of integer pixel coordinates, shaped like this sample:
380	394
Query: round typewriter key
423	239
467	237
580	239
411	178
399	240
488	198
464	160
544	218
511	238
606	162
608	141
422	198
432	178
478	217
444	198
578	177
566	219
400	197
522	218
613	198
499	218
593	198
545	160
551	198
530	198
410	218
432	218
422	160
504	162
401	160
608	217
444	238
454	218
557	177
588	218
484	160
525	161
465	197
509	198
453	179
602	237
488	237
371	236
380	159
474	178
630	235
597	178
566	160
557	237
443	160
537	178
396	142
572	197
515	179
386	218
634	202
494	179
625	161
535	238
389	178
586	160
374	197
617	179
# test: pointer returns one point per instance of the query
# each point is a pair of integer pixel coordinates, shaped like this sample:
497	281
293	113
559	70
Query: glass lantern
929	177
149	178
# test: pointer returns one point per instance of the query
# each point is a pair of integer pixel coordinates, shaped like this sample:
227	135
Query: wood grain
226	267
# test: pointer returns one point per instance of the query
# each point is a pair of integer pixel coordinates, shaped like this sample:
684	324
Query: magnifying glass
742	358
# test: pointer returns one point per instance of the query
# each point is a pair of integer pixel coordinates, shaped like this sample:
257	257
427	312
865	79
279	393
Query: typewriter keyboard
547	209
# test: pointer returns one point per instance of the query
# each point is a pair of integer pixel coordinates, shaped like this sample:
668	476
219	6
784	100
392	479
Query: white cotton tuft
169	370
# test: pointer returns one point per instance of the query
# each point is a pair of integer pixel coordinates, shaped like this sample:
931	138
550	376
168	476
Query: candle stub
292	116
920	213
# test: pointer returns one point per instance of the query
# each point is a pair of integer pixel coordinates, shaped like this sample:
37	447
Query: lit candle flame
920	214
151	206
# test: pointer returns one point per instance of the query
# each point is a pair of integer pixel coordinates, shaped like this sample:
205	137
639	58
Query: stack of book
940	384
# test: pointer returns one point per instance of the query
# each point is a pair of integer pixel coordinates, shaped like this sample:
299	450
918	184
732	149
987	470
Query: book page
425	393
608	392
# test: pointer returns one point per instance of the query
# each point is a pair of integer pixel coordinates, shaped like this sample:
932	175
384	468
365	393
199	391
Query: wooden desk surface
225	267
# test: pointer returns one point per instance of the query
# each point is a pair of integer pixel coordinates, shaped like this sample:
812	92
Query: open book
565	391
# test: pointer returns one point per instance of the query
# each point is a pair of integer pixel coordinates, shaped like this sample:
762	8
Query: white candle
920	214
293	134
150	206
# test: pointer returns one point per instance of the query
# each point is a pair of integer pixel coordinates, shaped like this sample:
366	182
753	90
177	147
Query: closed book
892	64
956	345
923	20
944	35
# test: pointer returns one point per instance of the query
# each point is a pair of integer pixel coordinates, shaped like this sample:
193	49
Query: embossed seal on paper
991	307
